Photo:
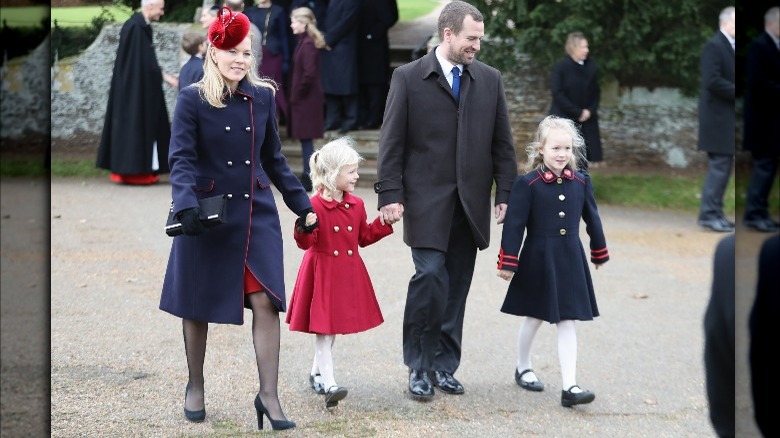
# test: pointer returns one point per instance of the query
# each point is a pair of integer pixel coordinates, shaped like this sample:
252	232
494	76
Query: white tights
323	359
567	350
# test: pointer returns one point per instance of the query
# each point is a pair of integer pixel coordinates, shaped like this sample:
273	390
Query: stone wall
654	129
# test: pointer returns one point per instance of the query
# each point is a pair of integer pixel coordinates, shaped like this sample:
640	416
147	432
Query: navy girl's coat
552	281
234	151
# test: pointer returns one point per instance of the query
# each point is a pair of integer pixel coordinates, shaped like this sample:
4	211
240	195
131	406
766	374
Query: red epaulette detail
506	260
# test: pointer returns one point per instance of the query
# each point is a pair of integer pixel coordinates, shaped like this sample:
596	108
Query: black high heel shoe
275	424
194	416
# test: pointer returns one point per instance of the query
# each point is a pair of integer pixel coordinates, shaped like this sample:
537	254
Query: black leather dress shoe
316	385
569	399
763	225
535	386
716	225
420	386
447	382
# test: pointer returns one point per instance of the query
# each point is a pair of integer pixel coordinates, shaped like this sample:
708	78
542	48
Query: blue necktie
456	82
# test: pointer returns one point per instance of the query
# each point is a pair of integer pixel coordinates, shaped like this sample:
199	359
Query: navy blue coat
552	280
339	65
191	71
234	151
762	110
717	97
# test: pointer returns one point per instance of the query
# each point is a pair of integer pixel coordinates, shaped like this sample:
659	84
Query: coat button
230	164
227	128
336	253
247	162
349	227
563	231
346	205
230	196
349	252
248	128
336	228
561	214
246	195
560	180
245	98
561	197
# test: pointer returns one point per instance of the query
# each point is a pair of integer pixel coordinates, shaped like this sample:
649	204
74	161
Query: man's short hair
191	42
453	14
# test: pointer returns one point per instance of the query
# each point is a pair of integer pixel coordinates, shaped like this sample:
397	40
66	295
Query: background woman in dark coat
576	94
224	141
306	98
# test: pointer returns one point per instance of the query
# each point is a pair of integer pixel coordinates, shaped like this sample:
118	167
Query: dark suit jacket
339	65
575	87
762	99
136	115
432	152
719	339
376	18
716	97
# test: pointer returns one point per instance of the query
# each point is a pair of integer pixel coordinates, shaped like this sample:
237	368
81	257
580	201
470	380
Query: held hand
391	213
597	266
506	275
500	213
190	222
306	223
311	219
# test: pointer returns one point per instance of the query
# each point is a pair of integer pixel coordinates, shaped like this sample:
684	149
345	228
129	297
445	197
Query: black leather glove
190	222
300	223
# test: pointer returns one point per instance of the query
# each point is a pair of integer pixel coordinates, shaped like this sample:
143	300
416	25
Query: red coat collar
349	198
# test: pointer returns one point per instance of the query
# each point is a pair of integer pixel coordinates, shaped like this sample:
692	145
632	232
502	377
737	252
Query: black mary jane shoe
536	386
194	416
316	386
334	395
446	382
569	399
420	385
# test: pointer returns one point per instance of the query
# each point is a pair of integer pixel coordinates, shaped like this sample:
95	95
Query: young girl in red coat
553	281
333	292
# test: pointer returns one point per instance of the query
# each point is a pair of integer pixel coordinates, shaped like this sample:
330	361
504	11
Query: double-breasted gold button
349	252
247	162
230	164
249	128
561	214
227	128
560	180
336	228
561	197
246	195
336	252
349	227
563	231
230	196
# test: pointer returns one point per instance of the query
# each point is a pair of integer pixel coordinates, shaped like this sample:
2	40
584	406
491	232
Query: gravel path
118	366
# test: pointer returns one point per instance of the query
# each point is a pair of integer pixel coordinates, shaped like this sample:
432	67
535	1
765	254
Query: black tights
265	336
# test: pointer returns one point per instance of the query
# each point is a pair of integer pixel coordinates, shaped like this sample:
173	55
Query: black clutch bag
212	213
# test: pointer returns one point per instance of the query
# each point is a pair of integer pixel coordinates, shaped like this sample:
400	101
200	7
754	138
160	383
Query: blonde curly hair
549	123
327	162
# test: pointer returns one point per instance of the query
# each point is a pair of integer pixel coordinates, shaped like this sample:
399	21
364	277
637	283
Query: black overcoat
432	153
136	115
307	101
552	280
762	99
233	151
575	87
339	65
376	18
717	118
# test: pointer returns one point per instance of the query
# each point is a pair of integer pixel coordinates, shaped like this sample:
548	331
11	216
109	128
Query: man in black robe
136	133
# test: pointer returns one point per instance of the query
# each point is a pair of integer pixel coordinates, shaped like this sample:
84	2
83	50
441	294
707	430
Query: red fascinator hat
229	29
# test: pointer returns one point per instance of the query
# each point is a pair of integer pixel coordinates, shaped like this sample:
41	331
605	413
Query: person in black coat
550	279
762	111
376	18
136	133
716	121
194	44
339	65
576	94
719	339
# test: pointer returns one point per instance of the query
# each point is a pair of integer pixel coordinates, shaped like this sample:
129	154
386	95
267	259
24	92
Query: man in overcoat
762	111
716	121
339	65
136	133
376	18
445	141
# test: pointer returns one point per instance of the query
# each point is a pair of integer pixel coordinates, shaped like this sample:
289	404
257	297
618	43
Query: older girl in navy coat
333	293
553	282
225	141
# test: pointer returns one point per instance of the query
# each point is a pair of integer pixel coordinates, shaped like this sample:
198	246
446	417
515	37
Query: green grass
27	16
83	15
411	9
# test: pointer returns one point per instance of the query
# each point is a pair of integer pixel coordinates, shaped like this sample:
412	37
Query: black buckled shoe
316	385
447	382
569	399
536	386
334	394
420	386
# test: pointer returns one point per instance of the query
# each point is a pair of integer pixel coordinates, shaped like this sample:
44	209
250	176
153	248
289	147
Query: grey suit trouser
715	183
436	300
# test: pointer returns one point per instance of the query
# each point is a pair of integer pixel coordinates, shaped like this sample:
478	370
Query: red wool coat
333	292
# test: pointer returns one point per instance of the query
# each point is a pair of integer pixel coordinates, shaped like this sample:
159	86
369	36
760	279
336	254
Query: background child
333	292
553	282
194	44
